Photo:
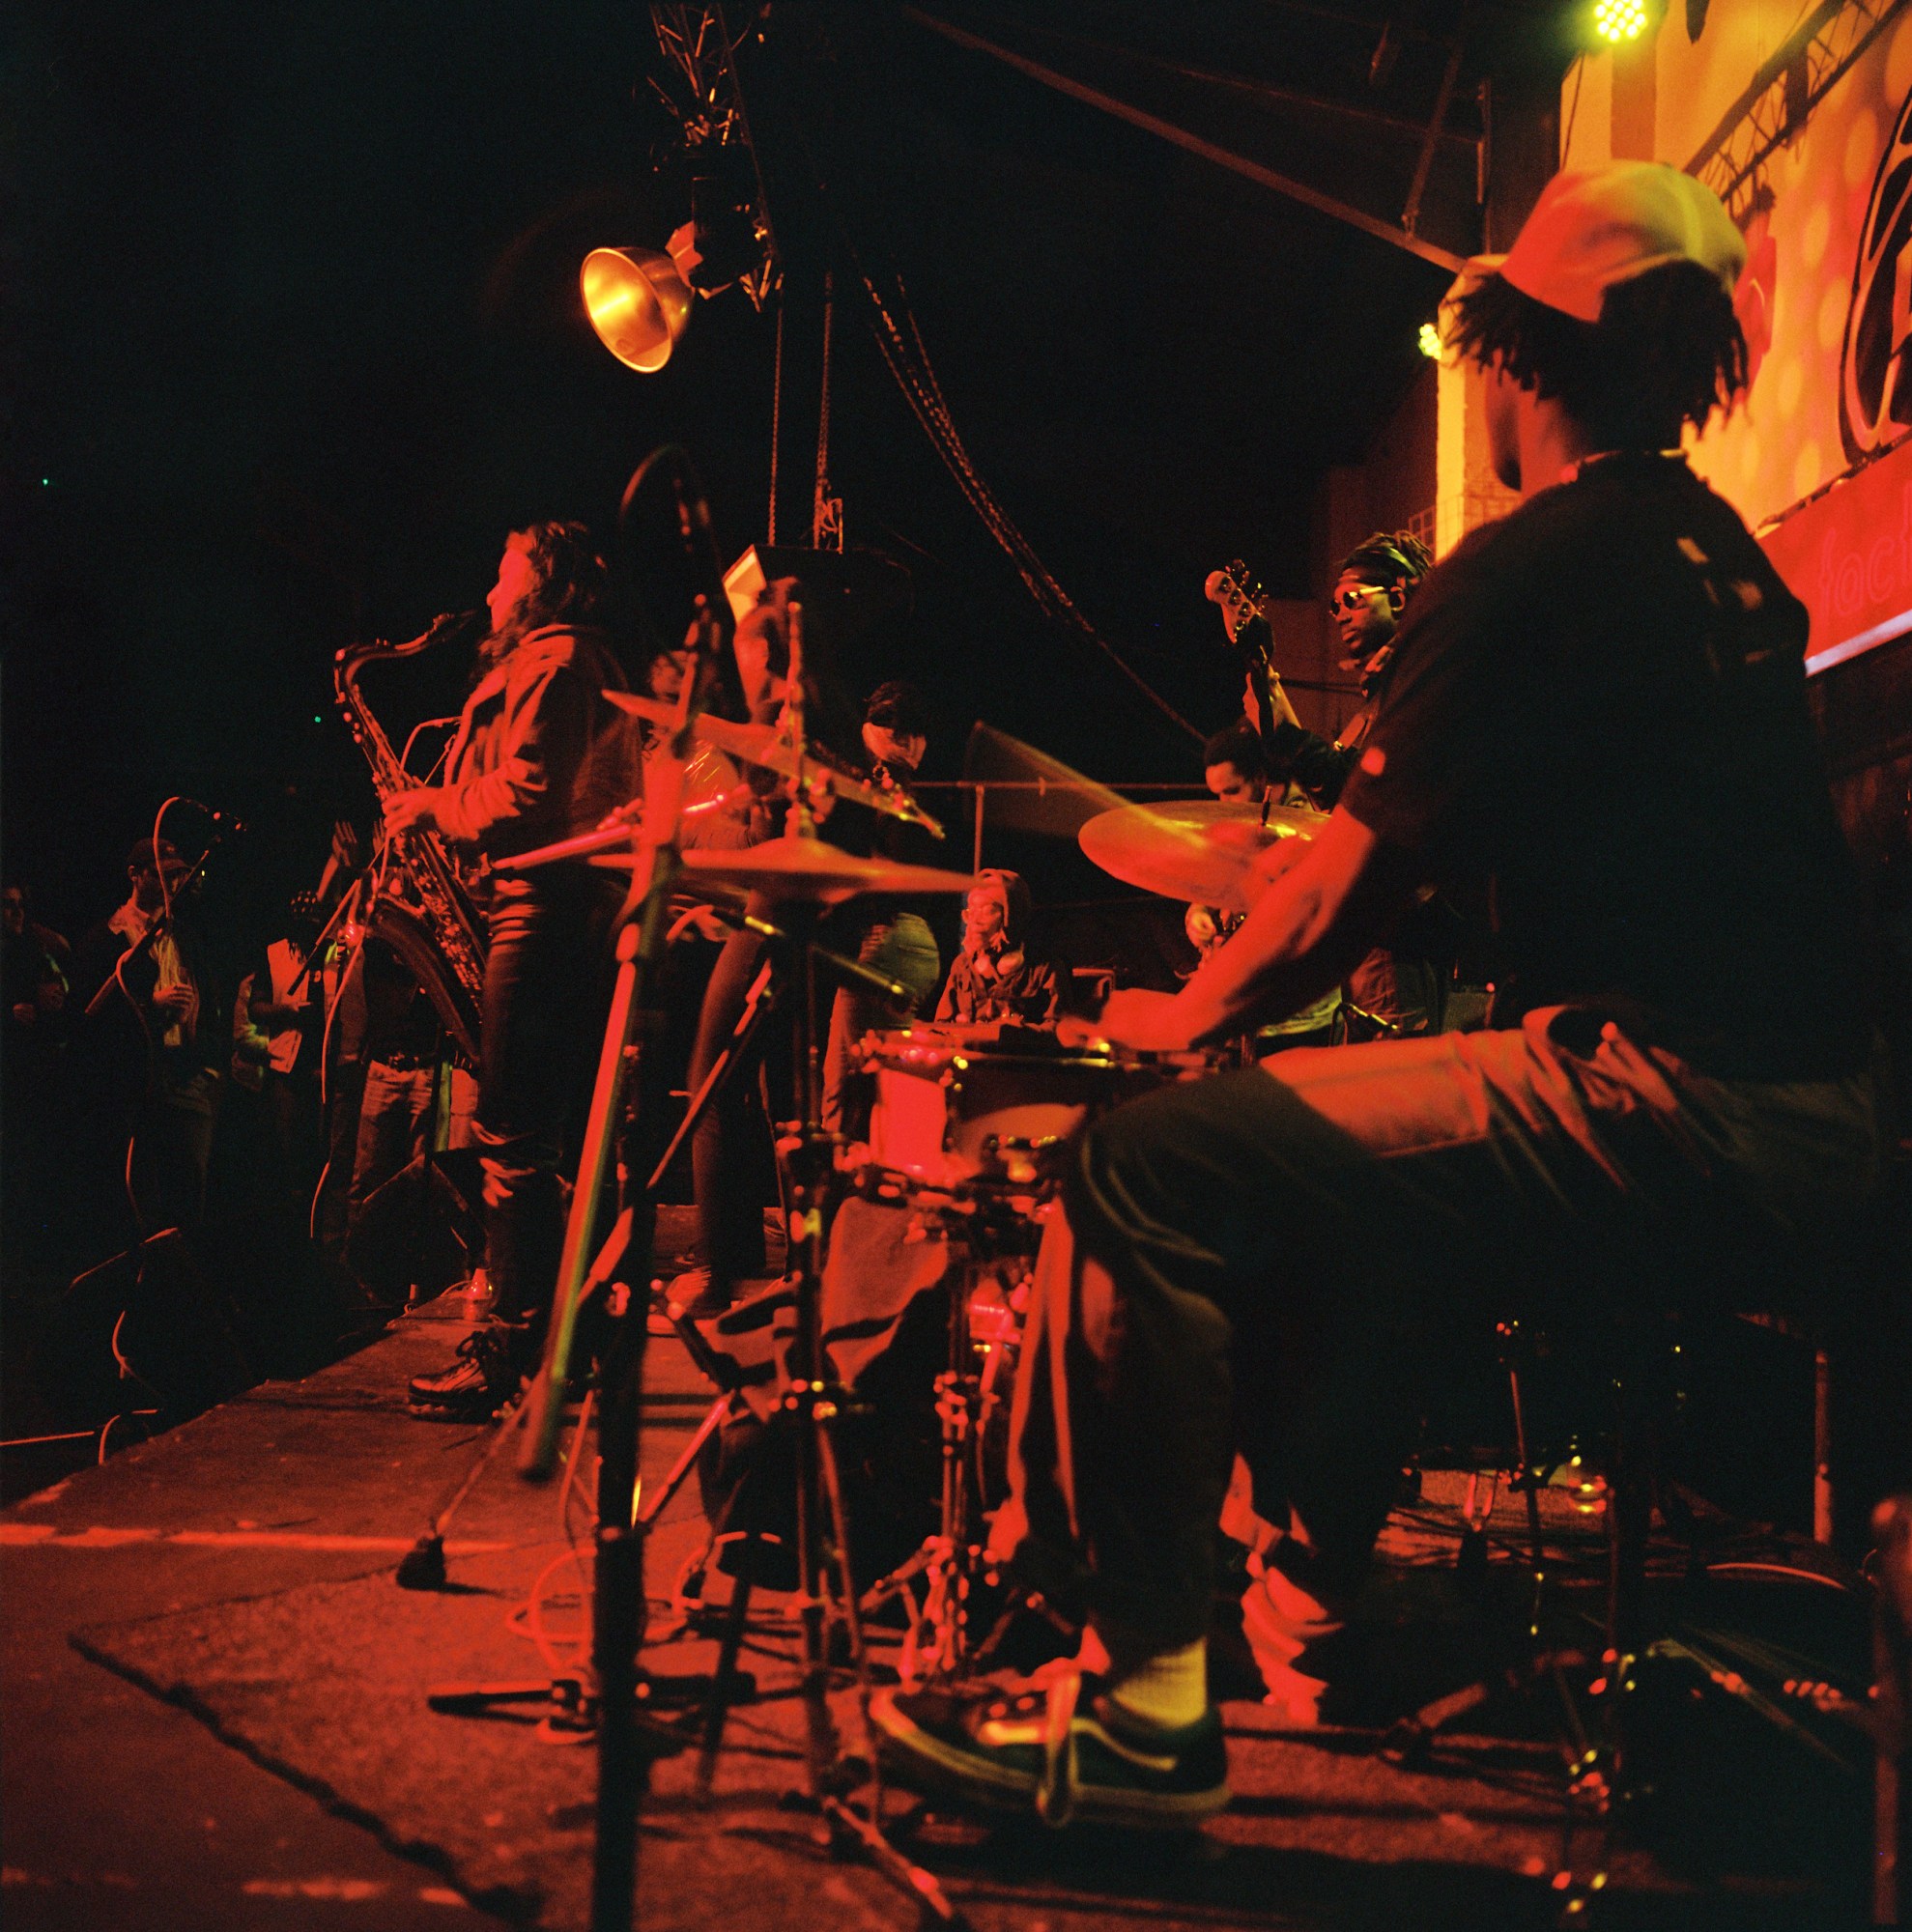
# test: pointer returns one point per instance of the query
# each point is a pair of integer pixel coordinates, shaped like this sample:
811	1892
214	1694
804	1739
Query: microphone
667	472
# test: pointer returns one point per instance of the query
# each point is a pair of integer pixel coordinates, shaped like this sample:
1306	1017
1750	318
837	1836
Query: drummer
1315	1229
997	977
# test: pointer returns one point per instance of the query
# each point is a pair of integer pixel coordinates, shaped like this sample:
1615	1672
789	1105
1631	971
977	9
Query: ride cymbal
1202	851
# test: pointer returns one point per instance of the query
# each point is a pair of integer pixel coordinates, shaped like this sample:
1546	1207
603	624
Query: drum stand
806	1154
951	1562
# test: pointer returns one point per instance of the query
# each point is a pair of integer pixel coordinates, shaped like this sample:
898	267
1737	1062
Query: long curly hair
572	581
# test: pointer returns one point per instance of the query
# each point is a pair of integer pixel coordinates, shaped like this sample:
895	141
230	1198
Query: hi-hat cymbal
1199	849
763	744
805	869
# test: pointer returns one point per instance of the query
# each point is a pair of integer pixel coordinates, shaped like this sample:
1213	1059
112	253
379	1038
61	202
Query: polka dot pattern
1784	442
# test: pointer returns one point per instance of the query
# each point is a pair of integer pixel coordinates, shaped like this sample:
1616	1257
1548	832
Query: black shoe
483	1377
1061	1748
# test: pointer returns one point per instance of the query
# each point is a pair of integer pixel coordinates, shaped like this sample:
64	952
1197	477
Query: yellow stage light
1430	340
1617	21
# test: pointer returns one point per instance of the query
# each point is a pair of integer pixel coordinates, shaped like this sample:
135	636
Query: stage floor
214	1715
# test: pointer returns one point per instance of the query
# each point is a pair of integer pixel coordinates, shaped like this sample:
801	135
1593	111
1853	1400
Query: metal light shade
638	302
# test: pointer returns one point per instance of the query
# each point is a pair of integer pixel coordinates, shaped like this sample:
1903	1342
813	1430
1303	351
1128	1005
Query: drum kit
964	1134
967	1121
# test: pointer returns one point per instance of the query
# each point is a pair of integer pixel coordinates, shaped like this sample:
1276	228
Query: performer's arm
1329	907
545	727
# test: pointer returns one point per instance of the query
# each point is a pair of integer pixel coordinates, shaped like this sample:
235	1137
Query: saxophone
422	910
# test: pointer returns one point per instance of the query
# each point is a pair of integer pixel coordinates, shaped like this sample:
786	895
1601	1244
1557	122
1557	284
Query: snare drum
952	1106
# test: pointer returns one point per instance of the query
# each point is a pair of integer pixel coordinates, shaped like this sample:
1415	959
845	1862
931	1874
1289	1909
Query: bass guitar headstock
1237	592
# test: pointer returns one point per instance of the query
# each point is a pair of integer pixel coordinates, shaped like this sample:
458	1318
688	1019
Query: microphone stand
617	1595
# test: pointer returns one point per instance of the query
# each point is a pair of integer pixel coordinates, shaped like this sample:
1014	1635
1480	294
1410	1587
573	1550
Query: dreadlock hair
899	707
572	581
1667	350
1388	557
1238	745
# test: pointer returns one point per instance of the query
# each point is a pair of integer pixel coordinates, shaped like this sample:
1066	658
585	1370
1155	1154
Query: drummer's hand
1149	1022
1199	923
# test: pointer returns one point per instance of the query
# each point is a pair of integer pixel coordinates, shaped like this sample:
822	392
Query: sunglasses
1356	598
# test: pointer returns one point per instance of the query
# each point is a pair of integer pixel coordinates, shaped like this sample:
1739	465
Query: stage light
638	302
1430	341
1617	21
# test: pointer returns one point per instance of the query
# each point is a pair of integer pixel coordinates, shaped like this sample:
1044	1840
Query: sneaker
1062	1749
479	1380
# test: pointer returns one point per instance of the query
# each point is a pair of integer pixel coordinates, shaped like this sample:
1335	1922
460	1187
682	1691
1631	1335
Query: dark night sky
295	338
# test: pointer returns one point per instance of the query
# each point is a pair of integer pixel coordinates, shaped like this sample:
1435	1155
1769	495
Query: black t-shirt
1599	704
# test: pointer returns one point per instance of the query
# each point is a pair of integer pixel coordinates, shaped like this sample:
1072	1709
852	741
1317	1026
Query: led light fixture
1617	21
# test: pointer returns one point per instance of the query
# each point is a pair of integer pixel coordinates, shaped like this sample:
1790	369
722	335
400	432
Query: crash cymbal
764	746
1199	849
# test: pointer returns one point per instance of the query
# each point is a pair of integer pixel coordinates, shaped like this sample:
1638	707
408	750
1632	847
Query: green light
318	716
1430	340
1619	20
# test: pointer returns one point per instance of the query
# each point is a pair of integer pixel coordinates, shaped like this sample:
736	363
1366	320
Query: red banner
1846	555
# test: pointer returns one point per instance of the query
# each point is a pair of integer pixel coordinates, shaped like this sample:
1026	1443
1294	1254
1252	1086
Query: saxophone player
539	754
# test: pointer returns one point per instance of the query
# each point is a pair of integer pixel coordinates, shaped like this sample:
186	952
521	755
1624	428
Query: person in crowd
36	982
997	979
1233	770
158	1028
36	967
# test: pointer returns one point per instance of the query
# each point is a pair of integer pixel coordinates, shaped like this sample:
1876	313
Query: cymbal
805	869
764	746
1200	849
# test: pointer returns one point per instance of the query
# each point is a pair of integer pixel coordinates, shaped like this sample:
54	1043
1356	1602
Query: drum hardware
965	1137
800	876
953	1562
774	749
